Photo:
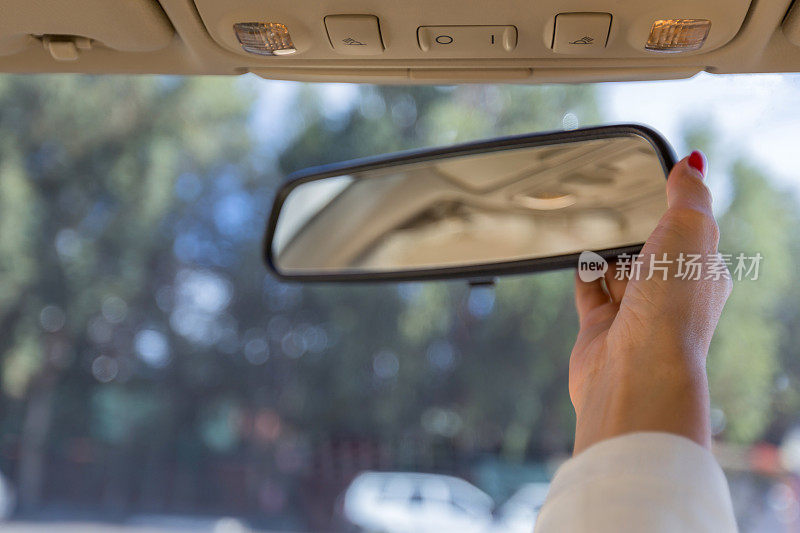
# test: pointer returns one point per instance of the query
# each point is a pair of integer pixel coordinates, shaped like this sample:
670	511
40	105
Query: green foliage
21	362
745	353
122	416
19	225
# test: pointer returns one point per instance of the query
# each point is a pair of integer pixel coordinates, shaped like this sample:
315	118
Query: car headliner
196	37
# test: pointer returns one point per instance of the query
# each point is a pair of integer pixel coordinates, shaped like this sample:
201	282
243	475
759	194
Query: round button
443	39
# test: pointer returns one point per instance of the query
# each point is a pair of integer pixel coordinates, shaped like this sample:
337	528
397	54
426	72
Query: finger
688	224
588	296
615	287
685	187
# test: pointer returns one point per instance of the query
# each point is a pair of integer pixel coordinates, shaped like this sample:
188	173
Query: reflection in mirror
500	206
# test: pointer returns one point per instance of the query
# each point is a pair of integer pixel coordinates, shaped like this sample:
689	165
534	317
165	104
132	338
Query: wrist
671	400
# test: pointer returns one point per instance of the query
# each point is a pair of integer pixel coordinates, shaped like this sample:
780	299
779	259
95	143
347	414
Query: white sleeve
653	482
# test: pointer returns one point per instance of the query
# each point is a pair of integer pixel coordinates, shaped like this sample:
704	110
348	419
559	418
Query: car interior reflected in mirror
508	205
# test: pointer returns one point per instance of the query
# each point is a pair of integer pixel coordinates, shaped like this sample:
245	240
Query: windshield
156	377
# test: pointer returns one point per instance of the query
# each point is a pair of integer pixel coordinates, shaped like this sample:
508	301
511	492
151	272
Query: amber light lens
264	38
678	35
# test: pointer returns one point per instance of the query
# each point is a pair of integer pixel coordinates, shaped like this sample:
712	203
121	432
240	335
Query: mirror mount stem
481	282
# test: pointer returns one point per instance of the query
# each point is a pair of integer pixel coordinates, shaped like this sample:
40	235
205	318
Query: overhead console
406	41
415	37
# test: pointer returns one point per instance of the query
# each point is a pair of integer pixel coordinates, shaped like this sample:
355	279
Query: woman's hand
639	361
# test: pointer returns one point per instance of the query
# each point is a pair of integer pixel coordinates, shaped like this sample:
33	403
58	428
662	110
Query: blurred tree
88	171
745	352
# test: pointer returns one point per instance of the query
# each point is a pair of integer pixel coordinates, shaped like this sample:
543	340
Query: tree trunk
33	443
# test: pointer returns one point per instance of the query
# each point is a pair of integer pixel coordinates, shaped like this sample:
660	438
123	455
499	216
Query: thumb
685	187
688	224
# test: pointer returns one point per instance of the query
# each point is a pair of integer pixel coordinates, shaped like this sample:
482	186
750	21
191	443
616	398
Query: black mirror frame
471	272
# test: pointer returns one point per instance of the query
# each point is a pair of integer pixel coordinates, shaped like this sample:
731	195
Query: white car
390	502
518	514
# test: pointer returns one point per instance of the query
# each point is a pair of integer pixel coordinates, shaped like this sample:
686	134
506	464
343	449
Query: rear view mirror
510	205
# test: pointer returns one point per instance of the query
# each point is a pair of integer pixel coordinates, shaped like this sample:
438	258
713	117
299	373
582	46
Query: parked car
518	514
390	502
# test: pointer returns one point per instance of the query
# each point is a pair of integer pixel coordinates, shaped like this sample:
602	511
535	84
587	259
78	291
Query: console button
357	35
467	41
581	33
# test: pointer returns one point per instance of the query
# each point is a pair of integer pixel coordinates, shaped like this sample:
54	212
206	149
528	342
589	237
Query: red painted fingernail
698	162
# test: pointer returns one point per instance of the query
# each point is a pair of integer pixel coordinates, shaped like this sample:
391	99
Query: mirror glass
476	209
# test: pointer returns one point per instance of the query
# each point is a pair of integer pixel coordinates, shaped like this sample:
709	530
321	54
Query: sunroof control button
581	33
357	35
467	41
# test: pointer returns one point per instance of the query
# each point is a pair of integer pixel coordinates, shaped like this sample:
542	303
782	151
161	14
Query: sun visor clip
66	47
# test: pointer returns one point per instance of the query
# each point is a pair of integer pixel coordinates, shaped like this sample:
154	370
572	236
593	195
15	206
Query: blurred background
155	377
